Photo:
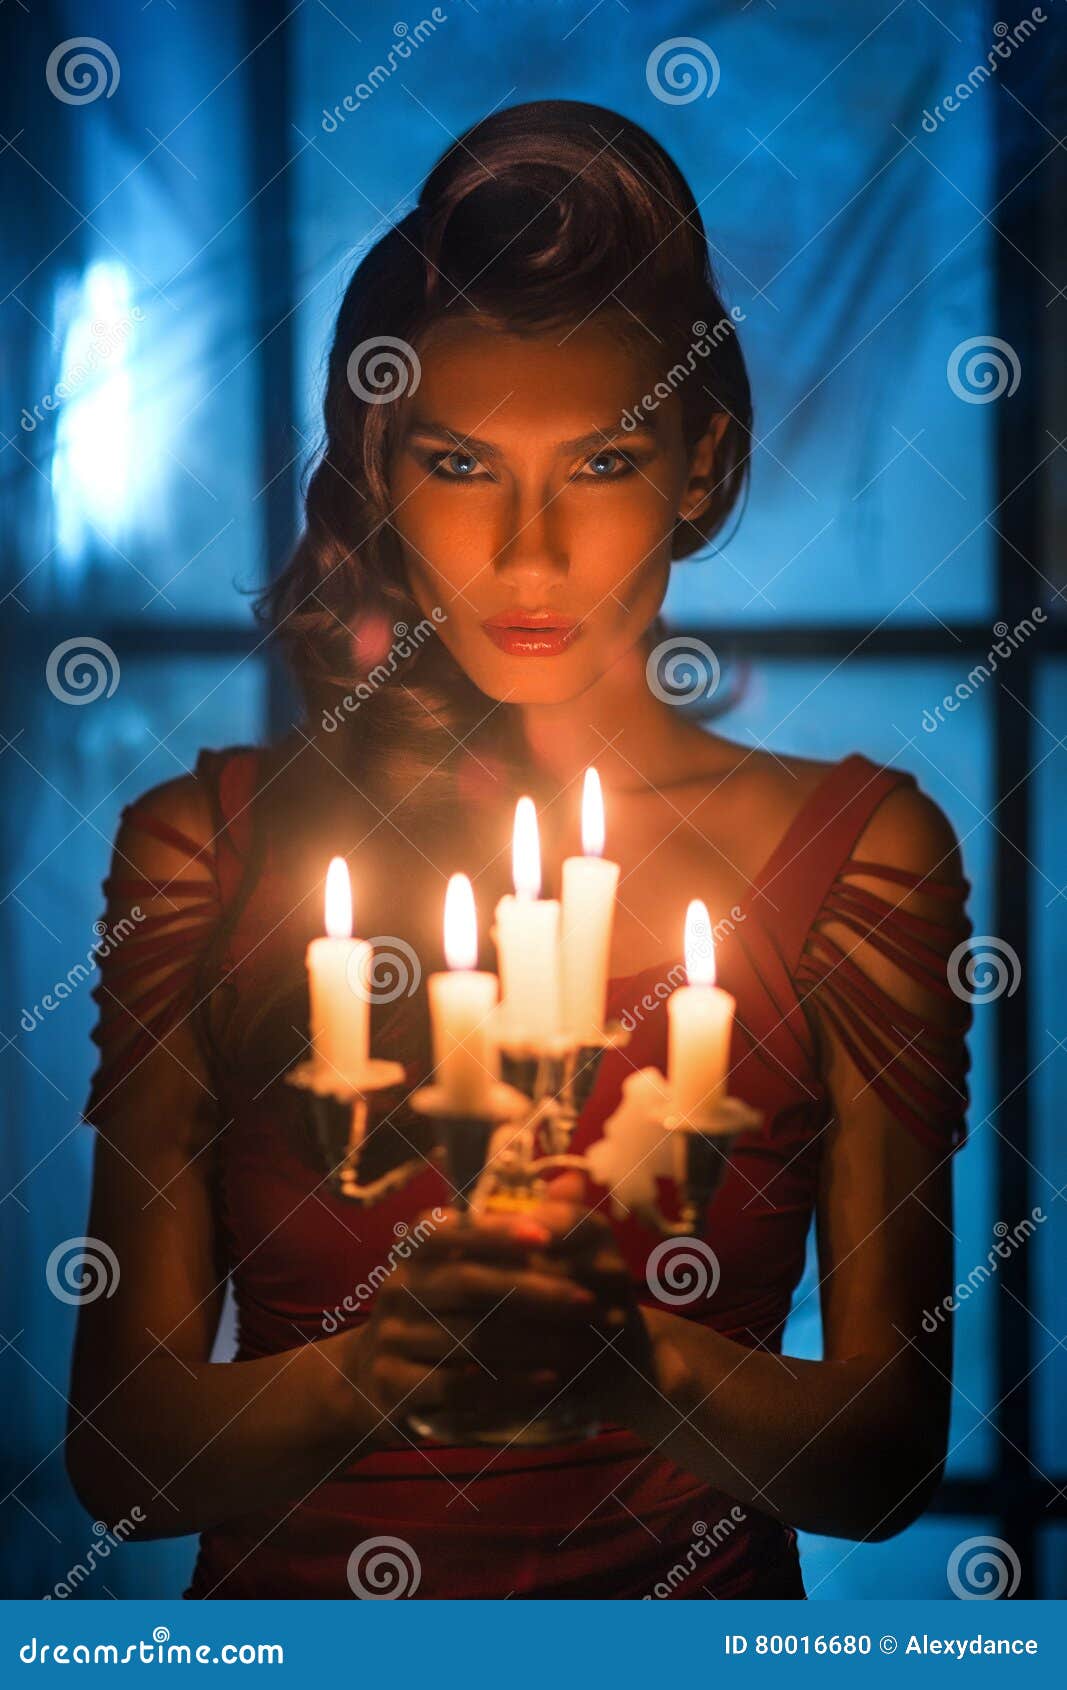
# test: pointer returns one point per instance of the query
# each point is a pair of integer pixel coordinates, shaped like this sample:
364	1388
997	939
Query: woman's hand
620	1362
493	1318
489	1319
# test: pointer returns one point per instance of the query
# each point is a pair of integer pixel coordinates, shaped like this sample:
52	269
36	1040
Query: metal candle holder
338	1113
492	1160
499	1156
706	1145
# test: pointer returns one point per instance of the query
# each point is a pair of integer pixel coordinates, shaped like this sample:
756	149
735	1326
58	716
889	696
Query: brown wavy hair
537	217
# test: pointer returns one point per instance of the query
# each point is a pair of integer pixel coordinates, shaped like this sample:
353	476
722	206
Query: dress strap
168	894
793	884
230	778
870	945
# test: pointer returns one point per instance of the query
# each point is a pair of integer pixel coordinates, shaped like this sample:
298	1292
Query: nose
532	553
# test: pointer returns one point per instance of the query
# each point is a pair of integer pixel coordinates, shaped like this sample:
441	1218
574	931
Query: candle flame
338	900
699	945
592	815
461	924
526	851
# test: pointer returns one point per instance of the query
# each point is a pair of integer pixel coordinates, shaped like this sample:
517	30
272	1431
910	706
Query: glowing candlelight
589	886
527	938
461	1004
700	1021
461	924
526	851
339	970
338	900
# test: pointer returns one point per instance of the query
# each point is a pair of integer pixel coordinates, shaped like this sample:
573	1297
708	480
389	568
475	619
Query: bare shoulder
749	794
754	795
909	830
168	825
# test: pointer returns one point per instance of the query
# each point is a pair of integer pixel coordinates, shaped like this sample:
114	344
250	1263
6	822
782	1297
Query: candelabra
499	1154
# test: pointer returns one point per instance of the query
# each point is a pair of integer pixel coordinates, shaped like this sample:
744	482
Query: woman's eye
454	466
609	466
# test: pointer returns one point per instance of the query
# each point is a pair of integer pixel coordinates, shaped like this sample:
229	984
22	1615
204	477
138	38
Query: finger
476	1287
573	1226
566	1186
427	1341
411	1387
491	1343
507	1236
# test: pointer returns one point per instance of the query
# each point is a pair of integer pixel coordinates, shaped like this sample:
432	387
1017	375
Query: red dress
608	1517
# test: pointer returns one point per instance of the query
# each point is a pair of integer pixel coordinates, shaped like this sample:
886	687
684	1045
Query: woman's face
527	513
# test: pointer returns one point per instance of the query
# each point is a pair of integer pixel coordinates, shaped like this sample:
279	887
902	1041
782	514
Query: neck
634	738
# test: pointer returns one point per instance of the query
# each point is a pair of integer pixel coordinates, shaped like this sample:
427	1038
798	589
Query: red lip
531	633
529	619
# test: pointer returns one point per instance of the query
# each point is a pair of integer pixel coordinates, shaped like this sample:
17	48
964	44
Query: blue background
205	204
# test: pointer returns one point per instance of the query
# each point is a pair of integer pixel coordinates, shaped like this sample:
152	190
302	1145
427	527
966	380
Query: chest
307	1262
671	848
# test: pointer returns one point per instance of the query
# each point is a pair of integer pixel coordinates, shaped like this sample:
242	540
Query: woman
536	405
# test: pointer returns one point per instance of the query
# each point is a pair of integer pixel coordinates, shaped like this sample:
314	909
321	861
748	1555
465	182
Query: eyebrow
584	442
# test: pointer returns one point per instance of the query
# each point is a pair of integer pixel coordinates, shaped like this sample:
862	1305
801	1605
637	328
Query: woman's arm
853	1445
153	1422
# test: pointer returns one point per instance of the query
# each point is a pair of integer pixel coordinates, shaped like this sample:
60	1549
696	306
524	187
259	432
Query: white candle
461	1004
700	1019
339	973
589	884
527	941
